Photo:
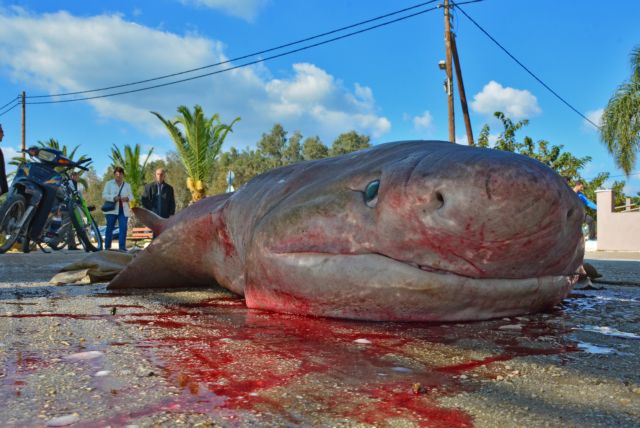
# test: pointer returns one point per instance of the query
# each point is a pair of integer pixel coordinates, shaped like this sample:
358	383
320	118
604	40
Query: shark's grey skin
454	233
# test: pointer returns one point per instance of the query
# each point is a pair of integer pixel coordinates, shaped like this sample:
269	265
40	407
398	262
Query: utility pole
463	95
449	82
24	125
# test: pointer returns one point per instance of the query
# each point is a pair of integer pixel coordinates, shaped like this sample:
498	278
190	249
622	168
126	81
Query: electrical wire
241	65
619	175
12	100
241	57
8	110
456	5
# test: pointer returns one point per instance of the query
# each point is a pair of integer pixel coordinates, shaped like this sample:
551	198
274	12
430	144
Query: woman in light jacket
121	212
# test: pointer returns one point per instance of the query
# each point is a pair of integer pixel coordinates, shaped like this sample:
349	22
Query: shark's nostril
570	213
440	199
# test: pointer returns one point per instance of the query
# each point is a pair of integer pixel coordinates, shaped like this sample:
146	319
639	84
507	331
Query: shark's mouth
376	287
384	259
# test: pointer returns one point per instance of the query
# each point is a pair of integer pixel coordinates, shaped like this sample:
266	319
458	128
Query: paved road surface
81	355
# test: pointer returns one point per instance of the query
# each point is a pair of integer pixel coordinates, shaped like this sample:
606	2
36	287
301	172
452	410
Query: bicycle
75	218
39	194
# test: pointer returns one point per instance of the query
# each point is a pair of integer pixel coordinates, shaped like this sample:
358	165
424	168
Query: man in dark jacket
4	187
158	196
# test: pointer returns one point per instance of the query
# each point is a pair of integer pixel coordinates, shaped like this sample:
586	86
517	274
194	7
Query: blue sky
384	82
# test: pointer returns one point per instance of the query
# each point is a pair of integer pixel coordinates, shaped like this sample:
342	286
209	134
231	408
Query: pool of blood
250	366
236	361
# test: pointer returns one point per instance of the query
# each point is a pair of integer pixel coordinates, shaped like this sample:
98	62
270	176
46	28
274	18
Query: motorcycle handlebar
80	162
71	163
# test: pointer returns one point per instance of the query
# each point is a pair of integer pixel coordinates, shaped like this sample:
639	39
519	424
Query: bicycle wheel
11	213
86	228
59	240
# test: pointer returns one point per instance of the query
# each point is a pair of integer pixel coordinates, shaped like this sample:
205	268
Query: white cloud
314	96
156	155
10	153
309	85
462	139
60	52
594	116
245	9
515	103
423	121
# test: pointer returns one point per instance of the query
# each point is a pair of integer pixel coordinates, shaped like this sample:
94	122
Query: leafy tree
275	150
314	149
620	129
134	168
150	170
199	146
93	192
272	146
292	153
483	137
349	142
507	139
245	165
564	163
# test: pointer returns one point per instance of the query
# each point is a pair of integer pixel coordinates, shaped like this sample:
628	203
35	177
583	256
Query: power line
12	100
620	175
8	110
524	67
244	56
241	65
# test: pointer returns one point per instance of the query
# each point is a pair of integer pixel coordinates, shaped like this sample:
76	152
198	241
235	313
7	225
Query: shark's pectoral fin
149	269
150	219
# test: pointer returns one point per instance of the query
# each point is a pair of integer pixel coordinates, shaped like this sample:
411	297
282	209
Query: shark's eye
371	193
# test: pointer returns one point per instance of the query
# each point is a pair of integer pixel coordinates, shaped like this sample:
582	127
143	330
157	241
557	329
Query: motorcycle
41	205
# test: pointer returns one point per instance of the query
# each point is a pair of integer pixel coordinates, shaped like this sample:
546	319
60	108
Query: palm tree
134	170
52	143
198	146
620	129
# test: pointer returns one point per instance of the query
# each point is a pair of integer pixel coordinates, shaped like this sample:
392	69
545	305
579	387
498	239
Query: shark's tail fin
150	219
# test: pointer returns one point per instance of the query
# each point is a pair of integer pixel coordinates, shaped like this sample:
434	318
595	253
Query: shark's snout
495	198
487	215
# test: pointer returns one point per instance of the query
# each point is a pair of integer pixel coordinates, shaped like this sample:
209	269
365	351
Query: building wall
617	231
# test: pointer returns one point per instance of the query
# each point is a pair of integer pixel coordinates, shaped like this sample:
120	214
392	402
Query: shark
401	231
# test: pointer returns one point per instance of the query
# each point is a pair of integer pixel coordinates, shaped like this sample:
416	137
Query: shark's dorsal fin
150	219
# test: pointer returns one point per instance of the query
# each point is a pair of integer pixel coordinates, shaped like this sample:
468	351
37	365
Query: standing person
75	184
158	196
4	187
118	191
579	189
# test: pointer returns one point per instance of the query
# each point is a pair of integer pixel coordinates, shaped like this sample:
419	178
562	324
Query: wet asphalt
82	356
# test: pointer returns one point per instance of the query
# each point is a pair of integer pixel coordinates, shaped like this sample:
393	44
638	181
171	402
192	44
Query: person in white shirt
118	191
